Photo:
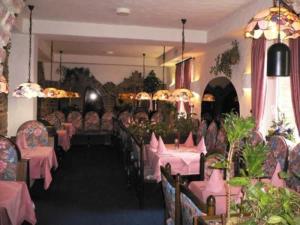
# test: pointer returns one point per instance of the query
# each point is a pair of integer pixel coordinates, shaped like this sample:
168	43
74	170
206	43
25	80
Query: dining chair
60	115
126	118
280	149
91	121
293	181
75	118
53	120
34	134
171	192
156	117
256	138
211	136
12	167
141	117
107	121
221	142
202	130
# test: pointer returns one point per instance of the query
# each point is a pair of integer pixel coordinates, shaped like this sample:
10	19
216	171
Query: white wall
21	110
202	76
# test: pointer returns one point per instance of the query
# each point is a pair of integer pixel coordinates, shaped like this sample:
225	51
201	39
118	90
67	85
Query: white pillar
21	110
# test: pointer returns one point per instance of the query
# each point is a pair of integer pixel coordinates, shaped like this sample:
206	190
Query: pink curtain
179	75
295	79
258	80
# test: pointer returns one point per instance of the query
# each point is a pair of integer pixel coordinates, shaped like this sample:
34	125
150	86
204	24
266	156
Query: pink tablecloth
198	188
185	161
41	161
63	139
15	204
69	128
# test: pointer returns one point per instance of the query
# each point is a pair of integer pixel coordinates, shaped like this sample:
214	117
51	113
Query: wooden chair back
75	118
91	121
211	136
294	168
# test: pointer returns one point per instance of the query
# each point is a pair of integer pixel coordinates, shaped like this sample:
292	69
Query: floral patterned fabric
221	143
156	117
107	121
75	118
60	115
53	120
126	118
169	195
8	160
270	164
141	116
202	129
256	138
35	133
211	137
188	210
91	121
294	168
207	166
279	147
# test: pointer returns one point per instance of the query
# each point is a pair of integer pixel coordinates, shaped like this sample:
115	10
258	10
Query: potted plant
262	202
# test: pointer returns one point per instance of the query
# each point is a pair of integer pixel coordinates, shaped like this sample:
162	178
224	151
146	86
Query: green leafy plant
152	83
225	60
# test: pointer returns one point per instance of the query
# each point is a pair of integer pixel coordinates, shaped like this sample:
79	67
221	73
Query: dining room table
41	160
183	160
69	128
16	205
63	139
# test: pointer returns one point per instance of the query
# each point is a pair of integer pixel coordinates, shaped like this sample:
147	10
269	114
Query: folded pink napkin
216	183
161	146
189	141
276	180
201	146
153	141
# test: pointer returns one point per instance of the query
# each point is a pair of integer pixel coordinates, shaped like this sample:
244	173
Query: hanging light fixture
279	55
51	92
266	23
162	95
29	89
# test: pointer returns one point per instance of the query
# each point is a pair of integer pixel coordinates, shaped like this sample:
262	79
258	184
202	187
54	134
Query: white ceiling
200	15
118	49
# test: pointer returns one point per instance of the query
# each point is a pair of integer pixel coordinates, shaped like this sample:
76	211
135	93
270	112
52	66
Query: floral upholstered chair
60	115
107	121
9	157
126	118
256	138
75	118
211	136
202	129
141	117
32	134
278	146
171	191
157	117
53	120
294	169
221	143
91	121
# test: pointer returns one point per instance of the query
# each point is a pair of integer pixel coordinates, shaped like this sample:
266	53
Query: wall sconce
246	84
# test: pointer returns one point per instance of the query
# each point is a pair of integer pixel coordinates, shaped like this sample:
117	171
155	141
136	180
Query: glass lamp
162	95
3	85
142	96
29	89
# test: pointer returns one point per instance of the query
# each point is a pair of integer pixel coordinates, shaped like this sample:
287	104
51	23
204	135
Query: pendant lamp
51	92
29	89
279	56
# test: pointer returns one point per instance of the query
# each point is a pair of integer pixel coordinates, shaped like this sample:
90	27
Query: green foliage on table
225	60
185	125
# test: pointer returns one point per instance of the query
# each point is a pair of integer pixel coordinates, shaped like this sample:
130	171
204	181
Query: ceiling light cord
144	55
279	21
183	38
60	67
164	61
51	62
31	7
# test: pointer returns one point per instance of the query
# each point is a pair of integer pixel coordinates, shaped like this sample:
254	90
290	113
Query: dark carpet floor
90	189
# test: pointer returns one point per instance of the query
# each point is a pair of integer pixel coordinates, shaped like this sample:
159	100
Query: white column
21	110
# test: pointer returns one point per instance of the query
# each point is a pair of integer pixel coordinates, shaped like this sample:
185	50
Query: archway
219	97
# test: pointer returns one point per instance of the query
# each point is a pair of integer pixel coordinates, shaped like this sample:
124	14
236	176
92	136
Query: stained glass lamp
266	24
182	94
3	85
142	96
208	98
162	95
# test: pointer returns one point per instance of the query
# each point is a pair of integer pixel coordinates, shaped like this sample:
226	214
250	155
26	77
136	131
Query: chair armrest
23	171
